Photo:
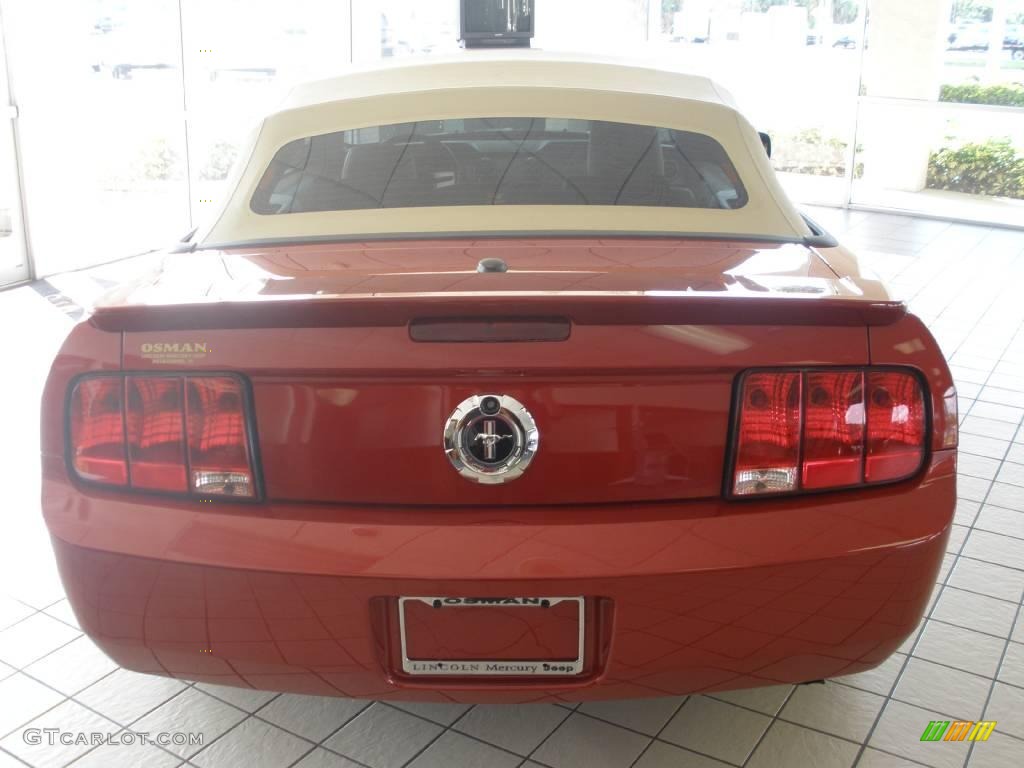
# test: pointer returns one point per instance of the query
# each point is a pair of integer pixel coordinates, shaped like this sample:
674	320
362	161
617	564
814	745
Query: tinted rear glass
499	161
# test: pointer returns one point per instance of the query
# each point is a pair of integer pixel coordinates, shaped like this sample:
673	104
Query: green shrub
1011	95
158	160
218	163
810	152
993	168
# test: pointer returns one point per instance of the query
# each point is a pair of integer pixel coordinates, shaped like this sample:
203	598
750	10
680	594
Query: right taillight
811	430
896	426
180	433
217	447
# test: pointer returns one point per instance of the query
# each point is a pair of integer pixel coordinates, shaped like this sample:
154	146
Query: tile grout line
248	715
320	744
999	667
444	730
661	730
774	720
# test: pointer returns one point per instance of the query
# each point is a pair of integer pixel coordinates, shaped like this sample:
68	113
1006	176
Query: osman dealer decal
170	353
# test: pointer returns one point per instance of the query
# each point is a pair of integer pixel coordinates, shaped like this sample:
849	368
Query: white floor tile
836	709
977	612
12	611
23	699
1012	669
582	740
790	745
191	712
662	755
61	610
1007	708
127	756
72	667
321	758
243	698
960	648
126	696
33	638
312	717
454	749
951	692
767	700
999	751
717	729
899	731
873	758
440	713
517	729
69	718
253	744
383	737
644	715
988	579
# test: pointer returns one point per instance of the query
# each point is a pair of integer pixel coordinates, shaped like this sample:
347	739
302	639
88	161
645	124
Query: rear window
499	161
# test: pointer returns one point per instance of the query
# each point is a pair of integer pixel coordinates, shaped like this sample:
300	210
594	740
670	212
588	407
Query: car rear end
734	486
524	392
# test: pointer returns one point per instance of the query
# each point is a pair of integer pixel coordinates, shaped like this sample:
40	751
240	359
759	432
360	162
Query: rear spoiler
582	309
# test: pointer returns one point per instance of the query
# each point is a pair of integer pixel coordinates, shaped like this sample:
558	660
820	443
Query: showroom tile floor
966	661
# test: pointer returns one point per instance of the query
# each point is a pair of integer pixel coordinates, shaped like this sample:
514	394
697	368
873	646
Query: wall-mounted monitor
496	23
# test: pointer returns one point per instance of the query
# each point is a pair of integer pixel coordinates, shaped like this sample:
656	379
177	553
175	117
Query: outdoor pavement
965	662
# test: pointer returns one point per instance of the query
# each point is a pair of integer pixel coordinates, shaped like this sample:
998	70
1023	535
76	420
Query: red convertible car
511	377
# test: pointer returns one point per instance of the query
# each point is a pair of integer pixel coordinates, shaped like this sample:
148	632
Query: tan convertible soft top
507	84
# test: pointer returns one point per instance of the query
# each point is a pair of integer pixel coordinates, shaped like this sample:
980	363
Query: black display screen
486	18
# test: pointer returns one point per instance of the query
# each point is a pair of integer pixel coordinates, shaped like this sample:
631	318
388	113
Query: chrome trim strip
487	667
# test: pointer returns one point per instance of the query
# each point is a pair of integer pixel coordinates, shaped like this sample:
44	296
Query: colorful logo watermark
958	730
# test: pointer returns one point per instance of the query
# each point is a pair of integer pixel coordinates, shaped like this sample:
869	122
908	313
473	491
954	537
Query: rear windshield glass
499	161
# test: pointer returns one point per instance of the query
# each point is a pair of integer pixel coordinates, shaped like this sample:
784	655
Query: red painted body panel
685	591
611	281
630	413
695	596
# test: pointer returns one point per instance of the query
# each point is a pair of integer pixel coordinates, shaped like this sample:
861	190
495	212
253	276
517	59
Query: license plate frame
494	667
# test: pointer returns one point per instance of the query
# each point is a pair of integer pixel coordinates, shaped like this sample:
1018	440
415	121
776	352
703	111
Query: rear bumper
687	597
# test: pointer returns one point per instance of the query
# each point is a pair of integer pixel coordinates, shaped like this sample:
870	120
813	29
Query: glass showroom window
102	133
941	119
132	111
235	71
13	258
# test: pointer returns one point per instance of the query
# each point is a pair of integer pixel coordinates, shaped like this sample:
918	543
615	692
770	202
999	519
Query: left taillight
810	430
97	431
184	434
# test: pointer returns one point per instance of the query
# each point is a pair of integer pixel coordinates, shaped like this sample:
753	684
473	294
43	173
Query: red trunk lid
631	393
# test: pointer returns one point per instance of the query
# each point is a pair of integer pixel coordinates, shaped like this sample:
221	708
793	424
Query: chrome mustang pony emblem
491	438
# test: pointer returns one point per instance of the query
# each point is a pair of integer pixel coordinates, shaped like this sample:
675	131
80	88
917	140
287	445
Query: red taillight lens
768	453
951	419
218	448
833	429
156	433
97	431
811	430
896	426
182	434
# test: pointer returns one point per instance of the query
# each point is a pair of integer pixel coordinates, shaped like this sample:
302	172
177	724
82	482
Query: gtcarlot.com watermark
54	736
